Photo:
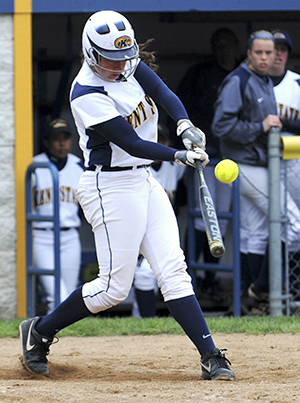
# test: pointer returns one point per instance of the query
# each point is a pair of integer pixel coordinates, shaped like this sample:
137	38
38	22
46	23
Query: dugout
40	55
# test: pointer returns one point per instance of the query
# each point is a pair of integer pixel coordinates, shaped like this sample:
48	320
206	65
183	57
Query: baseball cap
282	37
57	126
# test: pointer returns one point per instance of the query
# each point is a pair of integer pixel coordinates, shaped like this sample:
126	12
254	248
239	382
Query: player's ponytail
148	57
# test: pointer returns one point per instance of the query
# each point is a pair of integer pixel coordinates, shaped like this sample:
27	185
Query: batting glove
191	136
190	157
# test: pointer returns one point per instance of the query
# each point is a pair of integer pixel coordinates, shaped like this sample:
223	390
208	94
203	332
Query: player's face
110	70
261	56
281	57
59	145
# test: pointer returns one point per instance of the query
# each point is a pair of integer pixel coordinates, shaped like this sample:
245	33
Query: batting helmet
109	35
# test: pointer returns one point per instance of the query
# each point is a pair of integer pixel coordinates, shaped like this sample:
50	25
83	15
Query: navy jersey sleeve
292	127
119	132
160	92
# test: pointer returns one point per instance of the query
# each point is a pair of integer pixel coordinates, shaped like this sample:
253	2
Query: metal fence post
275	271
32	271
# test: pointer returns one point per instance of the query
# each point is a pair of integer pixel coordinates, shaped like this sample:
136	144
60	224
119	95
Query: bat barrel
217	249
209	216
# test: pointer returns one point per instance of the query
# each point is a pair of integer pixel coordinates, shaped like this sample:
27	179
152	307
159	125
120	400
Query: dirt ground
154	369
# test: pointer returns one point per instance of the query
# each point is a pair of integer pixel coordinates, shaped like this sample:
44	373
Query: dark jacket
245	99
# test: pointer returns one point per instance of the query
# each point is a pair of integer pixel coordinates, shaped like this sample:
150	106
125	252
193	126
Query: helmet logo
123	42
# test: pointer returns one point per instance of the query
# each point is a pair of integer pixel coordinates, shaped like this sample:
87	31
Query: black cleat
215	366
35	347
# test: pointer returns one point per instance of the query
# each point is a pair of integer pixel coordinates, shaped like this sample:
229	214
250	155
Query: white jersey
68	184
95	101
287	94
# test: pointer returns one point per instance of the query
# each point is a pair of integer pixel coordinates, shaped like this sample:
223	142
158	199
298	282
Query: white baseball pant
131	213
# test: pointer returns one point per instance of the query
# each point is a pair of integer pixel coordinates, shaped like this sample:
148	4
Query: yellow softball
226	171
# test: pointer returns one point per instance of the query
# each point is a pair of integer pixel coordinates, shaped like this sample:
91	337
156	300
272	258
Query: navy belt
105	168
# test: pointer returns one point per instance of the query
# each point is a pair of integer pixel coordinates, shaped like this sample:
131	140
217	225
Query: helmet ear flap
95	55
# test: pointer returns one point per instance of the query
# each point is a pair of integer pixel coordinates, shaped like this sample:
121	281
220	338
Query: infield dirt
153	369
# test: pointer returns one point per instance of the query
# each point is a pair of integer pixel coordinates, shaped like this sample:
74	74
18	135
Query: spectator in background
57	141
167	173
198	88
198	92
287	95
245	111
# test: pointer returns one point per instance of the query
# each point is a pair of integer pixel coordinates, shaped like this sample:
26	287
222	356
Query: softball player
245	111
58	141
287	95
113	103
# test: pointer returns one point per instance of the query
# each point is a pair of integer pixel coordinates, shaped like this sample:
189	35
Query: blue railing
32	271
232	215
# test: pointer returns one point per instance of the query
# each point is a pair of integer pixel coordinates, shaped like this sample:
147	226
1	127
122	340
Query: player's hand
271	121
190	157
191	136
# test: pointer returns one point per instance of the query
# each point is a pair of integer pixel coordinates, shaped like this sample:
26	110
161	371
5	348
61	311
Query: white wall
7	182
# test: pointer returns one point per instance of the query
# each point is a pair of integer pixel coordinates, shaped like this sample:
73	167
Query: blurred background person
57	141
198	91
245	112
242	123
287	95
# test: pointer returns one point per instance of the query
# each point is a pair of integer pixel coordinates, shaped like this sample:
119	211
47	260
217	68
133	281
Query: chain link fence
290	176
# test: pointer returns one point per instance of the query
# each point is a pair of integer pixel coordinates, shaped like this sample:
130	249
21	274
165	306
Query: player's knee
109	299
120	296
176	286
99	299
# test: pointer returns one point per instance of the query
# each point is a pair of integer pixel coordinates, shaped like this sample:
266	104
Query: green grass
97	326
